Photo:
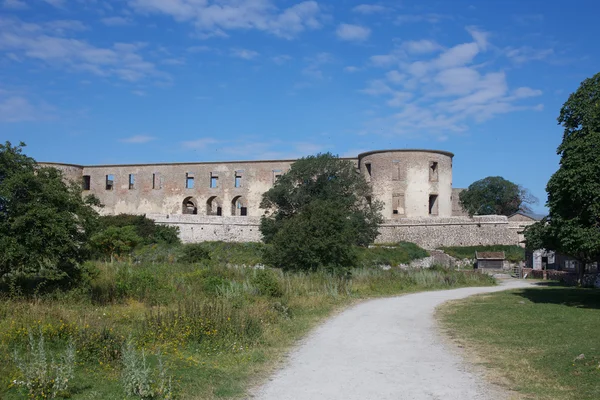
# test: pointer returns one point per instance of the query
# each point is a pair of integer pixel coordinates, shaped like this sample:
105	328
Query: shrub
266	282
43	378
114	241
145	228
512	253
194	253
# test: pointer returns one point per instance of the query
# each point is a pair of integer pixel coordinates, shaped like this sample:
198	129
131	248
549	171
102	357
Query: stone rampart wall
429	233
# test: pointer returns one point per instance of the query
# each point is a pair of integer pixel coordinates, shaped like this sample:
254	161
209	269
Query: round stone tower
410	183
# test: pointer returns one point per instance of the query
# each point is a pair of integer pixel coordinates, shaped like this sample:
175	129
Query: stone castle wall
426	232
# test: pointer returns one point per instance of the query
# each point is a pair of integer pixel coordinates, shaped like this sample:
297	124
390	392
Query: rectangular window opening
214	181
244	211
433	204
368	167
276	175
396	170
238	179
189	181
131	181
433	171
156	181
110	181
87	182
398	204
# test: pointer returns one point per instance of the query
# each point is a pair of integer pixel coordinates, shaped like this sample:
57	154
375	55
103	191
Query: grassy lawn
219	327
532	337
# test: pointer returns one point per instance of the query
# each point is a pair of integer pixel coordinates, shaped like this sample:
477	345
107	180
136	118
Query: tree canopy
44	222
573	224
316	213
495	195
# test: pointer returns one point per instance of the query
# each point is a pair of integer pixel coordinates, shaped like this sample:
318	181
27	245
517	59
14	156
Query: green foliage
114	241
300	238
194	253
320	235
392	254
574	190
495	195
267	283
145	228
41	377
138	378
512	253
44	223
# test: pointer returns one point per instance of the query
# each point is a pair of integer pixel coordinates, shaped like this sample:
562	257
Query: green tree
573	224
44	222
495	195
316	213
116	241
149	231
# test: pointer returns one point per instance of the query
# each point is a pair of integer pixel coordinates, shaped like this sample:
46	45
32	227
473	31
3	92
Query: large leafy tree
495	195
573	224
316	213
44	222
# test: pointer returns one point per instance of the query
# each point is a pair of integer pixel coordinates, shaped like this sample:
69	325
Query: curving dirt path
383	349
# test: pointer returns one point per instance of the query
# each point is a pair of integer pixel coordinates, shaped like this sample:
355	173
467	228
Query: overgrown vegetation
217	326
512	253
317	213
543	341
495	195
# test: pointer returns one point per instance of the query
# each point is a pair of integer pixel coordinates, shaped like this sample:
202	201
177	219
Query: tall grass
215	323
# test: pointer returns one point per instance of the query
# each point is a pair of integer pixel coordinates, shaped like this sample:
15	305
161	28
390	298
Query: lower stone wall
429	233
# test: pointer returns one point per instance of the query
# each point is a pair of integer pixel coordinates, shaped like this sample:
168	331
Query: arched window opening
213	206
190	206
239	207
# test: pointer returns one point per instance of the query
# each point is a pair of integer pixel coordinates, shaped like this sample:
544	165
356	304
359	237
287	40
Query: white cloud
421	46
350	32
351	69
370	9
16	109
116	21
431	18
314	65
444	93
198	49
281	59
39	42
15	5
173	61
212	17
521	55
56	3
244	54
138	139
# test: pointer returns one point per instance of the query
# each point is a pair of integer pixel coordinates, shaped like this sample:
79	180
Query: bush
266	282
43	378
194	253
320	236
138	378
512	253
145	228
114	241
390	254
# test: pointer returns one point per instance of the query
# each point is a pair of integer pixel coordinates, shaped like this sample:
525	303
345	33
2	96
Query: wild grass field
512	253
155	327
543	341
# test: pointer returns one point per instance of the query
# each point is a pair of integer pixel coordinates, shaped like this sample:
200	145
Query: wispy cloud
370	9
245	54
16	106
14	5
138	139
281	59
444	93
215	18
56	3
314	65
116	21
524	54
353	33
430	18
41	42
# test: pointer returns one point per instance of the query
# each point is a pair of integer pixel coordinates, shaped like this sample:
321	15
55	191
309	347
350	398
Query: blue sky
127	81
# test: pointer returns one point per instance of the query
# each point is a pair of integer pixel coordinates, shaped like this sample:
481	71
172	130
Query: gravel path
383	349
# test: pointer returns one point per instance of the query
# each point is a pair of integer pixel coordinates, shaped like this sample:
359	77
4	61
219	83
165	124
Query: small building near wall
490	259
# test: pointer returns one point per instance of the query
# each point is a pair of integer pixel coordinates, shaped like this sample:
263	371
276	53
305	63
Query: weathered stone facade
221	200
